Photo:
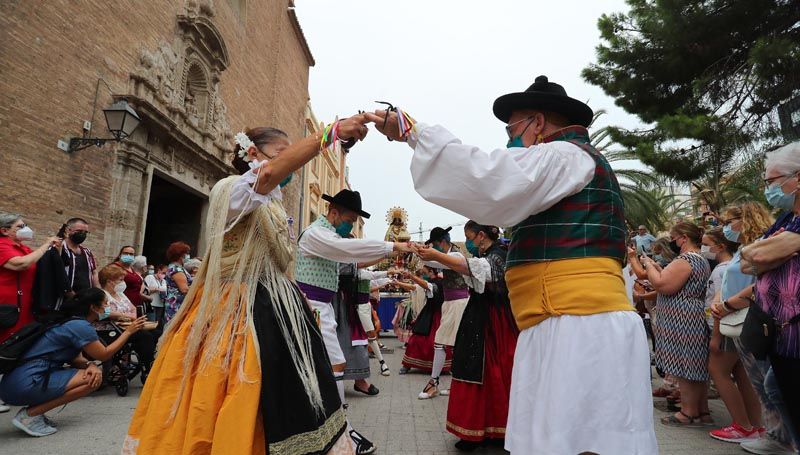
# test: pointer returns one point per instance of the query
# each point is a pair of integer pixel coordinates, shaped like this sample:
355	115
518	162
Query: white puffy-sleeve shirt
244	199
501	187
317	241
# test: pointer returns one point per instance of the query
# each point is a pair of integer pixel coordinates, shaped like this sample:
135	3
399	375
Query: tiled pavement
395	420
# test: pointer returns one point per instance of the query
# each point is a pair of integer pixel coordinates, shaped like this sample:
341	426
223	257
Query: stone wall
56	55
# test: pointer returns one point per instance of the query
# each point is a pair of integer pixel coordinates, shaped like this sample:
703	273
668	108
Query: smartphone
140	311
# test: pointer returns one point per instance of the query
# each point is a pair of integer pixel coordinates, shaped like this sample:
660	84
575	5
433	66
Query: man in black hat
581	378
321	248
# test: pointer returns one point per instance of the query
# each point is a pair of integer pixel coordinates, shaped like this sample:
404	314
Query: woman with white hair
777	263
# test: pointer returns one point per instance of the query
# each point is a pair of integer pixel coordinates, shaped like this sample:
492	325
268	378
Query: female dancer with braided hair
244	347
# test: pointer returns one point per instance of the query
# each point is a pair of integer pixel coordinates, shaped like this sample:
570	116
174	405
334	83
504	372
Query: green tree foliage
706	76
648	196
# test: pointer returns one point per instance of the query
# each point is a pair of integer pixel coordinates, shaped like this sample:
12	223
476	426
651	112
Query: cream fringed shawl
255	250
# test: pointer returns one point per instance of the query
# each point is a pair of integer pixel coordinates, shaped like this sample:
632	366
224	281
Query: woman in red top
18	262
133	281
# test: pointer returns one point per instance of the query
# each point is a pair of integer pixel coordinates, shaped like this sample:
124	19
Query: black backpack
14	347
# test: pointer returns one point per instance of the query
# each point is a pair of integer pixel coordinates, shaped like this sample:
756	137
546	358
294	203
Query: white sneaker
34	426
766	445
4	408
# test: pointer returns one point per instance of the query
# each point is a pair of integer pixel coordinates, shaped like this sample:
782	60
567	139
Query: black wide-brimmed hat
546	96
437	234
351	200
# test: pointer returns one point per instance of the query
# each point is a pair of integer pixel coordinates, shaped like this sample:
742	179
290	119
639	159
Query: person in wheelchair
41	382
122	312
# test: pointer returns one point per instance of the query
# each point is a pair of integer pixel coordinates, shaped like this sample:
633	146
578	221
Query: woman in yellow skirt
241	368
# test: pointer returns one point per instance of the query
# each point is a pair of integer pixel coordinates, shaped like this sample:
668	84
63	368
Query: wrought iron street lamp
121	120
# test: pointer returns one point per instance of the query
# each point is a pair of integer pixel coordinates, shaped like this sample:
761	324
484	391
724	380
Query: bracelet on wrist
727	307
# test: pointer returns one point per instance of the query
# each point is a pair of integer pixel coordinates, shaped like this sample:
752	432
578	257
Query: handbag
731	325
759	331
9	313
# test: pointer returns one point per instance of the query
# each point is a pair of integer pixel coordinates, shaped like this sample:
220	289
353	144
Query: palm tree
647	202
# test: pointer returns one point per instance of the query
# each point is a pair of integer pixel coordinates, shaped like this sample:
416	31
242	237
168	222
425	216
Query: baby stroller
123	366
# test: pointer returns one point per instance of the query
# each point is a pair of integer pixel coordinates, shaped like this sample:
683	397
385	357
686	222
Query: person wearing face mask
321	248
563	202
420	351
483	355
662	251
744	224
725	367
17	272
134	283
156	284
456	295
244	334
41	383
79	261
682	331
177	278
120	309
776	260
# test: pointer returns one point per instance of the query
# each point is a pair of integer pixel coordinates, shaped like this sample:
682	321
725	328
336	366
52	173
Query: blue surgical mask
472	248
105	314
778	199
730	234
126	259
286	180
658	258
344	228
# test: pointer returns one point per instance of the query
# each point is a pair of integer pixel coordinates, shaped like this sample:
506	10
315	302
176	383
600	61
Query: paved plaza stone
395	420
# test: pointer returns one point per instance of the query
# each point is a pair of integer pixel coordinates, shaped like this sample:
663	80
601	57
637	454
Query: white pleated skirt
582	384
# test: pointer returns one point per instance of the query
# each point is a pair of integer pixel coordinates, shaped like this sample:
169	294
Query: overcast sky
443	62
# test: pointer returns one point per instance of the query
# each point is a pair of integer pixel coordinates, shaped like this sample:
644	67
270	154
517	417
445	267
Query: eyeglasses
510	126
730	220
771	180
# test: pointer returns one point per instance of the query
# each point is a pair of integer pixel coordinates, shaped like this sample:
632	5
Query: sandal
385	369
672	421
371	391
431	390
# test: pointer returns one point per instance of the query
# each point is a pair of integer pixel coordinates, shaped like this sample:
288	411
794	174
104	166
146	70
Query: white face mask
120	287
706	252
25	233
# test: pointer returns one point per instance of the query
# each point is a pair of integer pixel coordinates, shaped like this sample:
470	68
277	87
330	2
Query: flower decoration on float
244	143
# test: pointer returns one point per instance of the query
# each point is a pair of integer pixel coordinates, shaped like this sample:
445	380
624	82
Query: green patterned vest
363	286
317	271
590	223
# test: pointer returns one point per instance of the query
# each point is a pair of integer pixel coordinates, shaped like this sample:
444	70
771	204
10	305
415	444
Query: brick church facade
196	72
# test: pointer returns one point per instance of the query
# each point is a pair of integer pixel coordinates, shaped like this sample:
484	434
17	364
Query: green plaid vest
590	223
316	271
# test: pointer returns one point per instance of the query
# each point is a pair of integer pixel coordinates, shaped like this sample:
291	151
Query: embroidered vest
587	224
317	271
453	280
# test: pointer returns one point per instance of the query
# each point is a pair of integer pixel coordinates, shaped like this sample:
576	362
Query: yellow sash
571	286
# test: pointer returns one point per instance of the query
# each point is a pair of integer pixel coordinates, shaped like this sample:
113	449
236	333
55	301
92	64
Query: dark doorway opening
173	214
